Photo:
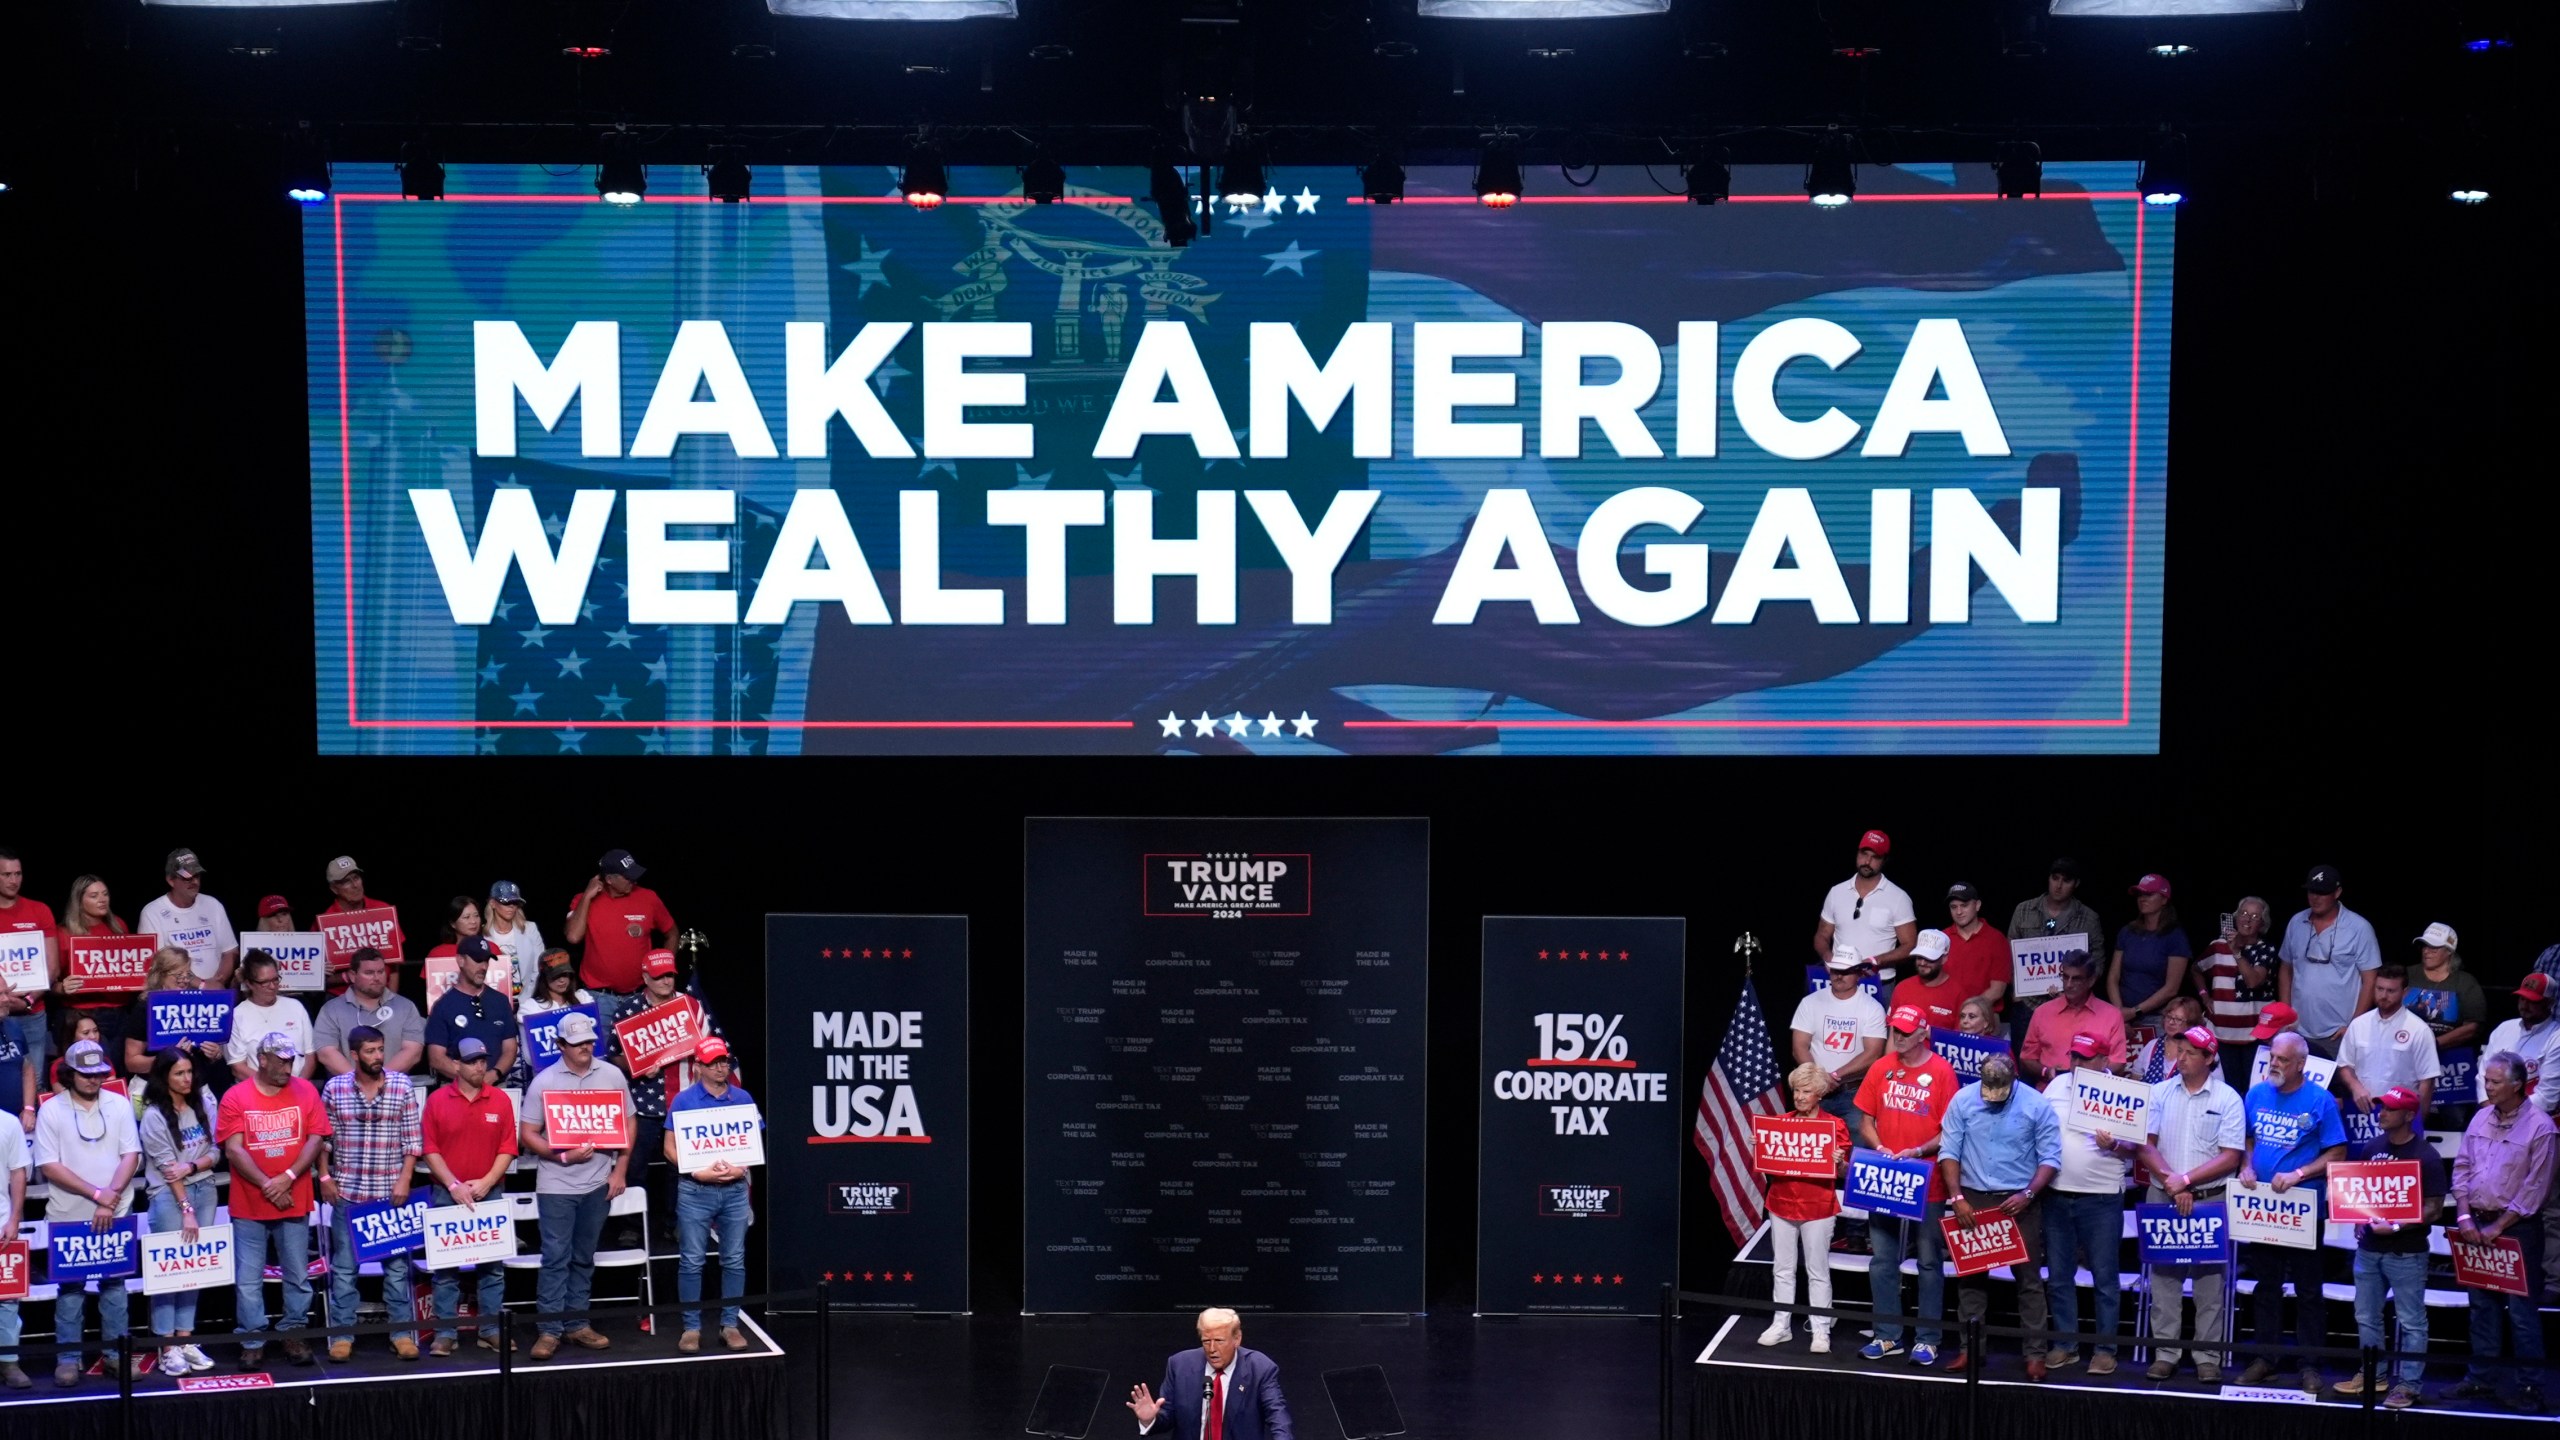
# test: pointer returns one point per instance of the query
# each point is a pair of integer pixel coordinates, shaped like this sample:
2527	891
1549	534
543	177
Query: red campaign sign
13	1269
2385	1190
1995	1239
658	1035
1785	1146
376	927
259	1380
2497	1266
587	1117
109	963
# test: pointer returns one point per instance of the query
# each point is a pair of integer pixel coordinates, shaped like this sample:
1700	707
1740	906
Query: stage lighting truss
1831	180
2019	169
728	177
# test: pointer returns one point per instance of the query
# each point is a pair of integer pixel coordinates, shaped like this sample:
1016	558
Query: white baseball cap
1845	956
2440	934
1932	945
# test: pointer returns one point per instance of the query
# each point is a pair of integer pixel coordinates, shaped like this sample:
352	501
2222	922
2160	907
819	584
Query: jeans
71	1313
2273	1266
571	1225
343	1265
175	1313
1973	1294
289	1241
1843	1102
2498	1320
448	1288
702	1209
9	1323
2084	1229
34	1037
2211	1284
1884	1273
2405	1275
1813	1239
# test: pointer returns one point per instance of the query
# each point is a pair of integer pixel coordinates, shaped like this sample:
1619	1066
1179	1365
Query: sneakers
1821	1344
690	1342
2061	1357
2402	1396
173	1361
1881	1349
2258	1371
2102	1363
2163	1368
196	1359
1924	1354
1778	1333
342	1349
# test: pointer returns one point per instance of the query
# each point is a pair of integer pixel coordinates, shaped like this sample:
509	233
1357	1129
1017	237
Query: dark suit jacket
1255	1407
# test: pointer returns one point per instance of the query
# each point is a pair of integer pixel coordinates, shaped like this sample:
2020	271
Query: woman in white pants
1801	1212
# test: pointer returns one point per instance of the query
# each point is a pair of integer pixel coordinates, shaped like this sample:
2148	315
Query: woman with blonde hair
1801	1214
171	969
90	911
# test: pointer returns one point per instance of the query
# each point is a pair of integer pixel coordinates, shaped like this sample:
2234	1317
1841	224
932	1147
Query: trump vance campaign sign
706	1137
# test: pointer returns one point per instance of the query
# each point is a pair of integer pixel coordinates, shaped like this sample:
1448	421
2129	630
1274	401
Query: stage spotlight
1382	181
1832	179
924	182
1708	178
2164	172
1172	197
620	178
2019	168
2461	195
421	173
1498	184
306	169
894	9
1240	180
727	176
1044	181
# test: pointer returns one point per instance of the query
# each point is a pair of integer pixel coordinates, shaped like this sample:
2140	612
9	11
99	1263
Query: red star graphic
866	952
1585	955
826	954
830	1275
866	1274
906	954
1624	955
1556	1279
1537	1279
909	1275
1577	1279
1617	1279
1542	954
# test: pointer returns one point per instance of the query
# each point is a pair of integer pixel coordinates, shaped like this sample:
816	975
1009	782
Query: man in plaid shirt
374	1145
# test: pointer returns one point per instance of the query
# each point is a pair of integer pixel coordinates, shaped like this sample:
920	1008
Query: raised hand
1144	1405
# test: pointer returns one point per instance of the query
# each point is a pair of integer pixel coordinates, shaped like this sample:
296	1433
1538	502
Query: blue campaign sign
542	1034
382	1229
1966	1052
2364	1131
1817	977
186	1017
2169	1238
1882	1185
2460	1082
76	1254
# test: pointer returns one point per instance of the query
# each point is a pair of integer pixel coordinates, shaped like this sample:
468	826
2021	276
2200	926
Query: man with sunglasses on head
1869	913
2329	953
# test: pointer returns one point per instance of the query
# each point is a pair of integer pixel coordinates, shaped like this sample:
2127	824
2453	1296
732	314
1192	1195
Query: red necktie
1217	1404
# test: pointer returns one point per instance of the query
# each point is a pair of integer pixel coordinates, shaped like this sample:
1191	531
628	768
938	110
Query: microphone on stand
1208	1395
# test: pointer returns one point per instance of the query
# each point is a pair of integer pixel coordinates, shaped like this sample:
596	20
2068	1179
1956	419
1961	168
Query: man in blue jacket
1243	1384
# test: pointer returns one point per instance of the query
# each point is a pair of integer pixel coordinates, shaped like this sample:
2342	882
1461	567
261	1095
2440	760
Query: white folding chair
633	1201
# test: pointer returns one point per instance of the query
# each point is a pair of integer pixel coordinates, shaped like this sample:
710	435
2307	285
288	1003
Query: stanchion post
506	1373
826	1361
1667	1310
2370	1361
1973	1378
124	1376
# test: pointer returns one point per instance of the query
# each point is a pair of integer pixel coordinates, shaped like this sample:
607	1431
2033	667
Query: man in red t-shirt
617	919
1901	1106
1932	988
469	1132
24	1013
1977	953
271	1129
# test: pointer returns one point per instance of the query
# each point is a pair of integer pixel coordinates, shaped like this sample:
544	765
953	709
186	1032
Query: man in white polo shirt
2389	1047
2532	1035
1841	1029
1869	913
193	921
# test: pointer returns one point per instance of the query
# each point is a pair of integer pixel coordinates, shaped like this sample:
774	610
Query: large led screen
1601	472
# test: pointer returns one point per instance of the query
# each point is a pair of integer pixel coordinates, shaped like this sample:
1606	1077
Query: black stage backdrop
2350	599
867	1108
1580	1146
1223	1064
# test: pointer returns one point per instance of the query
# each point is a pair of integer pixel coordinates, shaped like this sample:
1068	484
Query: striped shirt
2235	1004
372	1141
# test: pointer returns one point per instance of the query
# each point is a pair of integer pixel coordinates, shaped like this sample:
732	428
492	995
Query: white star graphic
742	744
1250	221
657	672
526	699
1023	479
618	639
889	370
1293	259
745	682
1271	723
488	742
653	742
489	672
1172	724
1136	479
586	610
552	525
867	269
613	701
534	638
1242	446
506	609
1238	204
1306	199
1272	200
1204	725
1236	724
948	467
574	663
573	741
765	519
1302	726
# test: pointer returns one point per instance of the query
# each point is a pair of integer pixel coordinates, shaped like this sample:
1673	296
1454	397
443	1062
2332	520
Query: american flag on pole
1742	1083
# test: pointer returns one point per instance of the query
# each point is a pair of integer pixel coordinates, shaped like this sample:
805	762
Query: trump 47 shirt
273	1128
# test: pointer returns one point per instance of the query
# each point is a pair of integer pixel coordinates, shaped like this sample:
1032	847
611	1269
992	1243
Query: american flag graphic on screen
1742	1083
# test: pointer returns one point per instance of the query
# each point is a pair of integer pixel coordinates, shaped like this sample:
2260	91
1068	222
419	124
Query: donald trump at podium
1221	1391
